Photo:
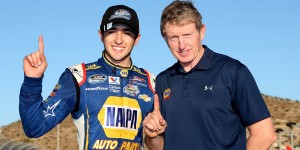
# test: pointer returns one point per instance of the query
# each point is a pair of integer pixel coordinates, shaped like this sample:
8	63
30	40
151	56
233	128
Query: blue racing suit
107	103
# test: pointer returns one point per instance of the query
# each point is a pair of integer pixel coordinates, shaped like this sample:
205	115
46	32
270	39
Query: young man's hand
35	63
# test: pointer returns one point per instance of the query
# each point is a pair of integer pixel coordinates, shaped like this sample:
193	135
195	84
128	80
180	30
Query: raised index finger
41	44
156	104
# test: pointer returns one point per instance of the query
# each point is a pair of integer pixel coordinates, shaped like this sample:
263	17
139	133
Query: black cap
120	15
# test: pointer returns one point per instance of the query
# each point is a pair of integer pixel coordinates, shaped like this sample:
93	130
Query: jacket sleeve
39	116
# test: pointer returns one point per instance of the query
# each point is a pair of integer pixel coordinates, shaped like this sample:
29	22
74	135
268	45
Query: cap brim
125	25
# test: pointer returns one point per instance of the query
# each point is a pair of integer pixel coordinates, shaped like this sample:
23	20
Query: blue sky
264	35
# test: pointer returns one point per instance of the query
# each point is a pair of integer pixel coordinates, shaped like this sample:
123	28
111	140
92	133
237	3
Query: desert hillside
283	111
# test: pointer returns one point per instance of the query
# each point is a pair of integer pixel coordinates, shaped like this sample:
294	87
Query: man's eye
187	35
128	33
110	31
173	38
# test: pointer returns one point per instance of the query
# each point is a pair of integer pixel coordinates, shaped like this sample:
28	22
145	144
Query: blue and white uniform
107	103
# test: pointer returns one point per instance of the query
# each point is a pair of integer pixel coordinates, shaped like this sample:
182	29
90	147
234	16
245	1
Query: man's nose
119	37
181	43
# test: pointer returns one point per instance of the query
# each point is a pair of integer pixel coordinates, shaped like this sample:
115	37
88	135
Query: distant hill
282	110
67	136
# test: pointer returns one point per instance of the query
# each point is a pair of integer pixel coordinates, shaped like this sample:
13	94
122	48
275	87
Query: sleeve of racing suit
39	116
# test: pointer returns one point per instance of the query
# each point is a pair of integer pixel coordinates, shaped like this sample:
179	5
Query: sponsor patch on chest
120	117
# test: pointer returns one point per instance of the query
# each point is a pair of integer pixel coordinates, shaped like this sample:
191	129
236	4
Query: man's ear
137	39
101	36
202	32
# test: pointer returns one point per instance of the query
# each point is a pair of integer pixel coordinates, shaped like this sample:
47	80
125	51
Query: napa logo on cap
120	117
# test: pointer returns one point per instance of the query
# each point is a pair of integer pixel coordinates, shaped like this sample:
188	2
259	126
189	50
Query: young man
108	99
207	99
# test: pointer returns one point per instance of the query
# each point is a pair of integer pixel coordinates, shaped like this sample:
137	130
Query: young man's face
184	42
119	42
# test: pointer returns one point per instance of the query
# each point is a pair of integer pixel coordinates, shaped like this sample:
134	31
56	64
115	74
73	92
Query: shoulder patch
92	66
79	72
138	70
151	80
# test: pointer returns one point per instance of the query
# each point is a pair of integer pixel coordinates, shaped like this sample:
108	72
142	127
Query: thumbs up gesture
35	63
154	124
